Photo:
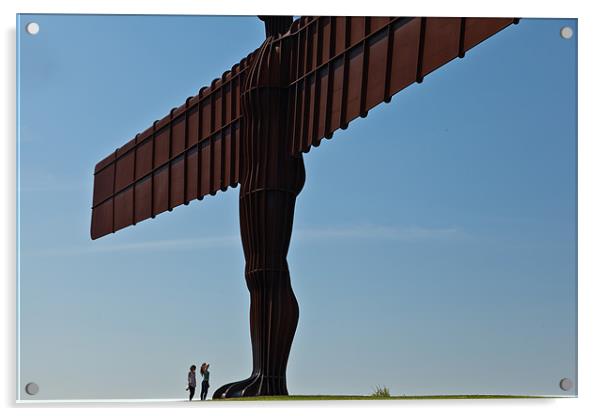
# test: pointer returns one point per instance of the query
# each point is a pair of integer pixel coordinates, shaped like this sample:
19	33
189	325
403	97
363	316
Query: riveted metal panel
377	71
125	171
217	164
206	169
161	147
237	145
178	135
354	83
322	100
310	95
404	57
142	200
191	174
326	27
479	29
160	190
378	22
369	60
339	33
357	31
144	159
102	218
228	158
336	94
124	209
159	169
442	37
103	184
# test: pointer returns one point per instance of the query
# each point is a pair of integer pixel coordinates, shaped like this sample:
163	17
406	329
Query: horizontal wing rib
347	65
192	152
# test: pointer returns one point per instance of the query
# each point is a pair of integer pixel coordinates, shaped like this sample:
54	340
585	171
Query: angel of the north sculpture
309	78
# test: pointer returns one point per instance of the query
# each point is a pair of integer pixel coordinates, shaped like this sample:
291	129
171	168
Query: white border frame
589	194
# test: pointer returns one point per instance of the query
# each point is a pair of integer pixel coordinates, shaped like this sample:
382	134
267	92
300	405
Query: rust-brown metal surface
161	168
344	66
339	68
309	78
271	180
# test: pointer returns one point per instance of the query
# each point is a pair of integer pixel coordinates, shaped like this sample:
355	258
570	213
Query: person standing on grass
205	383
191	382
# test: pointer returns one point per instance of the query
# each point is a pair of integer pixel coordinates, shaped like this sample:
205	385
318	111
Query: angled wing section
344	66
191	152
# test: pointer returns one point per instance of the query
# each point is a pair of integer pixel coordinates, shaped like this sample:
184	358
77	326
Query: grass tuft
381	392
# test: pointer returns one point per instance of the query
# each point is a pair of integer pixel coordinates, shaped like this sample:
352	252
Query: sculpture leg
266	218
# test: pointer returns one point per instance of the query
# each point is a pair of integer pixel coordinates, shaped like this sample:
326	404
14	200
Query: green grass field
319	397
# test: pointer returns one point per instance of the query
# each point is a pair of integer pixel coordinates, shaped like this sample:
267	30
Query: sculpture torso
265	107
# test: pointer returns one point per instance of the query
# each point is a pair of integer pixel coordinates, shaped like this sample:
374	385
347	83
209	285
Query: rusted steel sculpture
309	78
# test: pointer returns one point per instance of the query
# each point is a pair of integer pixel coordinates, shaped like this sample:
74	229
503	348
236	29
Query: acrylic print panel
433	248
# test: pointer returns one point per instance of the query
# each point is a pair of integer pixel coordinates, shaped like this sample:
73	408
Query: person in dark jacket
191	382
205	383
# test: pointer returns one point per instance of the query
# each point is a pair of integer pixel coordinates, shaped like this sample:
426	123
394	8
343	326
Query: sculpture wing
344	66
192	152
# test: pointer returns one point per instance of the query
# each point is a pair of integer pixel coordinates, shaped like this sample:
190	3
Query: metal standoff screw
566	384
32	389
32	28
566	32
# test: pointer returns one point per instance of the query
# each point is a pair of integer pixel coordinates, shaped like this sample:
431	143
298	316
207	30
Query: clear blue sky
434	245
